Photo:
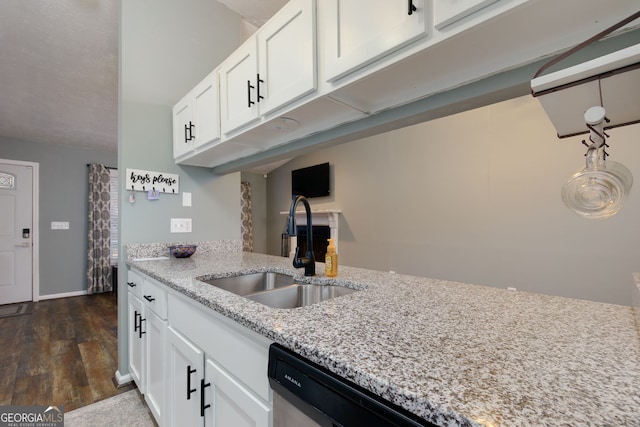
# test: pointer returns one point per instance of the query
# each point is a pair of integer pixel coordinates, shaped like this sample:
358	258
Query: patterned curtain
247	223
98	257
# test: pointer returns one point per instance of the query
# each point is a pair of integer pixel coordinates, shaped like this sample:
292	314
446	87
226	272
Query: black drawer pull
131	284
149	298
412	7
191	128
189	389
202	405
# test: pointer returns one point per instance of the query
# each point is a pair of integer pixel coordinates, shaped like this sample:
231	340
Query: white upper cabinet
276	66
206	111
287	55
239	87
196	117
182	122
358	33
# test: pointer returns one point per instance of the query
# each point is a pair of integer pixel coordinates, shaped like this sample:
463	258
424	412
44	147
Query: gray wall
215	211
475	197
258	209
166	47
63	197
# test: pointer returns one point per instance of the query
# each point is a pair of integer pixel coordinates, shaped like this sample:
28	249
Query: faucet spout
308	261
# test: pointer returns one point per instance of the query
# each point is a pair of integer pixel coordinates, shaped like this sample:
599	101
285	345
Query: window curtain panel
246	221
99	251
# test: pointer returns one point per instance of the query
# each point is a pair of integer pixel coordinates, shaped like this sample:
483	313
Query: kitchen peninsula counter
452	353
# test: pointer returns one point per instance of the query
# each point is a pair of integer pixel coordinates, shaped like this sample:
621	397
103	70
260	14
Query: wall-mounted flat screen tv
312	181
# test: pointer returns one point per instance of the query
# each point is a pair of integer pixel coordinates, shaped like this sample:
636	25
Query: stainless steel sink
278	290
298	295
251	283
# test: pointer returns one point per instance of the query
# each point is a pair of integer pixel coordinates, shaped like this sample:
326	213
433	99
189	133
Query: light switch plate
186	199
59	225
181	225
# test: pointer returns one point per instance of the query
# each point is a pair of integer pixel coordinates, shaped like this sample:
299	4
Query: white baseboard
63	295
123	379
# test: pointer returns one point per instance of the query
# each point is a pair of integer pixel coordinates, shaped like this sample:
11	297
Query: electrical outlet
59	225
181	225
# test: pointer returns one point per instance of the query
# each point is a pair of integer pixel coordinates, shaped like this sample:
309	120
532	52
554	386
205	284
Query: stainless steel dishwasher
305	394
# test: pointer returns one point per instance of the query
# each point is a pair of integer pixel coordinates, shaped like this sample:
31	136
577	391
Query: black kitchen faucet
308	262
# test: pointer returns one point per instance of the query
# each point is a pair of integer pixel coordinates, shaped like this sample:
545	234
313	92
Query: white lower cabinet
231	403
154	387
146	335
203	393
185	364
194	366
137	340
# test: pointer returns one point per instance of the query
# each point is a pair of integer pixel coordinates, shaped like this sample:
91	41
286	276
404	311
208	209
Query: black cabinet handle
188	132
249	87
135	321
149	298
202	405
412	7
258	81
140	331
131	284
189	389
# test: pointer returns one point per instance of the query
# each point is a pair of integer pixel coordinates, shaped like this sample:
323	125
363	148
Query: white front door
16	233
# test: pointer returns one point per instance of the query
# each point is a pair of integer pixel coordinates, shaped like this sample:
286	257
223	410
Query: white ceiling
59	68
59	72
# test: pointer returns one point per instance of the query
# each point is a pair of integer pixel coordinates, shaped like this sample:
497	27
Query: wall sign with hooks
141	180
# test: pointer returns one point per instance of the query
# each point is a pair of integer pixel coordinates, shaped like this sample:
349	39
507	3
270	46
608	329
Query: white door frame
35	227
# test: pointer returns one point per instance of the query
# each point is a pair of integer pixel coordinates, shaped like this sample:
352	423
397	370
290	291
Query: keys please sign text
141	180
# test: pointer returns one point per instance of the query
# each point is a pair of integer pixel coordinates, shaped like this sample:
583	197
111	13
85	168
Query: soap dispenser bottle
331	260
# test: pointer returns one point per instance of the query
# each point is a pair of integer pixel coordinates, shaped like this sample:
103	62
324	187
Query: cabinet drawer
134	283
237	349
154	297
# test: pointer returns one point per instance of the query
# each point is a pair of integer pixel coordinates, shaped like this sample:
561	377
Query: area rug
126	409
16	309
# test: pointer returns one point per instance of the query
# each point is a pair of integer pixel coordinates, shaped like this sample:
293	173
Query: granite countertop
454	354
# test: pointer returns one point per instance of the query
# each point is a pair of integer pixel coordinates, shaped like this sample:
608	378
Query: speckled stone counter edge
152	250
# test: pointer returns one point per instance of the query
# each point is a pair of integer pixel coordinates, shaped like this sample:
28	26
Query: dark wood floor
64	353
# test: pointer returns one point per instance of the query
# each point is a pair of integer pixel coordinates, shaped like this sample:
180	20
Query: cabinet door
182	127
231	403
206	111
358	33
155	369
239	87
137	341
185	370
287	55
